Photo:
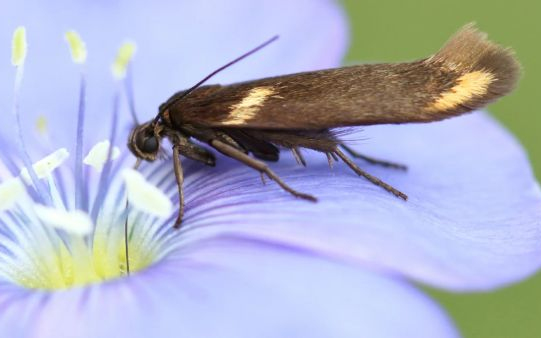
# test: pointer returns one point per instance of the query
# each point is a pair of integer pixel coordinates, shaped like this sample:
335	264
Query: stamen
99	154
123	58
78	55
19	47
44	167
128	86
79	143
145	196
104	177
77	47
18	57
11	191
42	125
75	222
122	71
118	68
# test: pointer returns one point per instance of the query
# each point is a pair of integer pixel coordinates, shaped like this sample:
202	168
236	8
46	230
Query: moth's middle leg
260	166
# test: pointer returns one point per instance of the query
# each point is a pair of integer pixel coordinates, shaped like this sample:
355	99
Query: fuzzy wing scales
466	74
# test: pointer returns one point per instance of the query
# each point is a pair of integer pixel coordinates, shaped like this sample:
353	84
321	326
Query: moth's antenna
126	240
198	84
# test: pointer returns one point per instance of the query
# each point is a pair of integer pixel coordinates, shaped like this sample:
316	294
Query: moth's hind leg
369	177
260	166
298	156
372	160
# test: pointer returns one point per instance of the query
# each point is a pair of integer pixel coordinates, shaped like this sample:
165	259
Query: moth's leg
182	146
369	177
179	175
330	159
197	153
229	140
298	156
372	160
257	165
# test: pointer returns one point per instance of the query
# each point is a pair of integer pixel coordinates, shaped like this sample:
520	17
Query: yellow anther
77	47
123	58
18	46
42	124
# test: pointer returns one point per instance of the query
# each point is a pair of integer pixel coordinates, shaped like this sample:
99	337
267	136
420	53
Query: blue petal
223	289
178	44
472	221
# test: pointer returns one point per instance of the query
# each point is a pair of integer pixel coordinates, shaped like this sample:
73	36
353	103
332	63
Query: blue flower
250	260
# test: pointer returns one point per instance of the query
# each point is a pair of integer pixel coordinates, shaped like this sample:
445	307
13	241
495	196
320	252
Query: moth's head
144	141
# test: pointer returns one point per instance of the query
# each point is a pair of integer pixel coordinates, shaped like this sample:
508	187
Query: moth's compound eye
150	145
146	143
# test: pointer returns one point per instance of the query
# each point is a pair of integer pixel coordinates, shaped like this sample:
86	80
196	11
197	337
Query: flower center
75	262
57	246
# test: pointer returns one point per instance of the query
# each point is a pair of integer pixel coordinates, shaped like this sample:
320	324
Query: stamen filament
78	55
79	183
18	58
128	86
104	176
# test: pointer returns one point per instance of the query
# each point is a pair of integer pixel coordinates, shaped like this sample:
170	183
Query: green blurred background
405	30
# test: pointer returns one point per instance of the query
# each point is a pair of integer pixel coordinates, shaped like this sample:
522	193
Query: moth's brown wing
467	73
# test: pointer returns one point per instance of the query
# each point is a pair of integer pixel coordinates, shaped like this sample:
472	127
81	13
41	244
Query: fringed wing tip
483	72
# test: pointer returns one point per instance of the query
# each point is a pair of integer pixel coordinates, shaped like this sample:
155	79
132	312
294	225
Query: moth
254	121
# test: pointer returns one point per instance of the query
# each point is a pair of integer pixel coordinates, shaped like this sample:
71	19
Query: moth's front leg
179	175
193	151
183	146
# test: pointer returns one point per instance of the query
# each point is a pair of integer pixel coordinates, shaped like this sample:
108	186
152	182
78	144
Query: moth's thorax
166	119
175	109
172	129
